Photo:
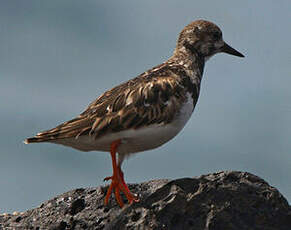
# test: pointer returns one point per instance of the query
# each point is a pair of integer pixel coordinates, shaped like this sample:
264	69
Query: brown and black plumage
153	97
147	111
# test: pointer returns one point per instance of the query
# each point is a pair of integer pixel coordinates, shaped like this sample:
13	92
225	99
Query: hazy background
57	56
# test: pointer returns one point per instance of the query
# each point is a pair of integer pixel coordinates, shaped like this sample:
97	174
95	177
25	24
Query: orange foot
117	180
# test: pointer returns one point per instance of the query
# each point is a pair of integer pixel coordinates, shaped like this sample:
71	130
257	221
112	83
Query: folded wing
151	98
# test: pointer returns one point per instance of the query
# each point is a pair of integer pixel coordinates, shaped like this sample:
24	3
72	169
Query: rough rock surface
224	200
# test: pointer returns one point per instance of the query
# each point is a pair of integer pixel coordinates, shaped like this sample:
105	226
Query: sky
58	56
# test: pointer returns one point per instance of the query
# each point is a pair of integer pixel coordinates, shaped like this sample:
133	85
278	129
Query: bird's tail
40	137
34	140
73	128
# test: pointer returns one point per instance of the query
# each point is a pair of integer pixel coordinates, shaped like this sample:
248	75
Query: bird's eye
216	36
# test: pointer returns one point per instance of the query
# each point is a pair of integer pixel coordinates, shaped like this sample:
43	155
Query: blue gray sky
58	56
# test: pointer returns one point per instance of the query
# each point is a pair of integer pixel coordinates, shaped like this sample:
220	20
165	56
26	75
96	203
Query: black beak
228	49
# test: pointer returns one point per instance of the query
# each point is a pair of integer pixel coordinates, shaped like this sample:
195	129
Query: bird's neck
192	61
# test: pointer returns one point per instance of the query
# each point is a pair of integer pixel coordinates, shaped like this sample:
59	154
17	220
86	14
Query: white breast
185	112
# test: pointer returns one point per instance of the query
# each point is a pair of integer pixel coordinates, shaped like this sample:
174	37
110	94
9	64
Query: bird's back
153	99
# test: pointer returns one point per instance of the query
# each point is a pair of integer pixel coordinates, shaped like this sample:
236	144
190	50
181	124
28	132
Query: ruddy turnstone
144	112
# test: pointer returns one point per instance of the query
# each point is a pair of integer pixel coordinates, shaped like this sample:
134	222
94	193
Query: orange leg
117	180
130	197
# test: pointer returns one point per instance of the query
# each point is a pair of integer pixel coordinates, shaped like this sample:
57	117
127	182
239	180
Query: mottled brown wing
152	98
149	103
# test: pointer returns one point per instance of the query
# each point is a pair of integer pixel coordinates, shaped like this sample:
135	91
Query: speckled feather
153	97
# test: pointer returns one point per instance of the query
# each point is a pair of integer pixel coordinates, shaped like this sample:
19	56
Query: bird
145	112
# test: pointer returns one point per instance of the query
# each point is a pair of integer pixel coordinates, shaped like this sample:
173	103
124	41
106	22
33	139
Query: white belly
135	140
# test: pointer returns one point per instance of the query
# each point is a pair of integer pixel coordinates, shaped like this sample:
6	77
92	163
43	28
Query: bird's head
203	38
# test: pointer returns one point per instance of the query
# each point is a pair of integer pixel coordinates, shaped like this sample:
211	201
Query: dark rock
77	206
59	226
224	200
